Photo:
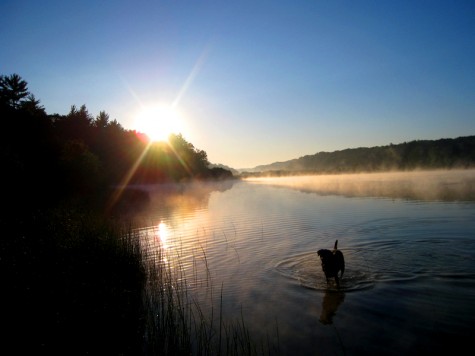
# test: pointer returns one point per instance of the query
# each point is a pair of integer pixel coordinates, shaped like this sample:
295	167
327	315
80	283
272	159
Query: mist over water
453	185
408	241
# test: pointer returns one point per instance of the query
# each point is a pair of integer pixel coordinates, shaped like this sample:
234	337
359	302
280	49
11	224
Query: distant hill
420	154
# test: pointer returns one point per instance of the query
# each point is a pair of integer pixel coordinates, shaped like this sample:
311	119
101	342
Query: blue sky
256	81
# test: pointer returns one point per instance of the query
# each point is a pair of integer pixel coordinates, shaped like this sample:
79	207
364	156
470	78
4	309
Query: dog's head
324	254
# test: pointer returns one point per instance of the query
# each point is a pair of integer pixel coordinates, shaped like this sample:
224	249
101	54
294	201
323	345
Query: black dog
332	263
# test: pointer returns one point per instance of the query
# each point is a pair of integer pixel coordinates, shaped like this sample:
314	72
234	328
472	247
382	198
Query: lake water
408	241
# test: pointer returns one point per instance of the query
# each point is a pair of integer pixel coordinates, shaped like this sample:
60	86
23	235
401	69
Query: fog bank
451	185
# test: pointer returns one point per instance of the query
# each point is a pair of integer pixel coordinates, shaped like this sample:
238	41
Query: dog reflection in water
331	302
332	263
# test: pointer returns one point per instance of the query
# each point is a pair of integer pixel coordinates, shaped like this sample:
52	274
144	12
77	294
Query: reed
178	324
75	283
70	285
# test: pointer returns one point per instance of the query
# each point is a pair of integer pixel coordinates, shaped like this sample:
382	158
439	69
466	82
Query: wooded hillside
420	154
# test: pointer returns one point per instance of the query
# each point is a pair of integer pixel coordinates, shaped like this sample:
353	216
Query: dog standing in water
332	263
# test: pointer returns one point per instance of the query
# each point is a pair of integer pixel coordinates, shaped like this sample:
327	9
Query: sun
159	121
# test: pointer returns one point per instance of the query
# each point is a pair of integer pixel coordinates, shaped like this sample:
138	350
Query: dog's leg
337	280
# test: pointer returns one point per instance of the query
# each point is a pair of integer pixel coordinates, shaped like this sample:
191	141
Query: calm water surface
409	284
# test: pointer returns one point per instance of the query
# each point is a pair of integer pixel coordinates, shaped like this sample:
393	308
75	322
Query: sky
255	81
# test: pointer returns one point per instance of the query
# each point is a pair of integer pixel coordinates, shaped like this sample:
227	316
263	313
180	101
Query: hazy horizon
424	185
256	83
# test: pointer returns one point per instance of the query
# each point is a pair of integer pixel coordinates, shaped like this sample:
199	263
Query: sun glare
158	122
163	233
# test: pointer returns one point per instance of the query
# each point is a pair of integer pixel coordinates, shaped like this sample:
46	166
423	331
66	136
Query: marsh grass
70	285
75	283
178	322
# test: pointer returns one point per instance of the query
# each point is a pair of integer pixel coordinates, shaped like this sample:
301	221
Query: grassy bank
71	285
75	283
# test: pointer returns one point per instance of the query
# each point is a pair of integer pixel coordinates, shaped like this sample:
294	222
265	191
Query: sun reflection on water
163	234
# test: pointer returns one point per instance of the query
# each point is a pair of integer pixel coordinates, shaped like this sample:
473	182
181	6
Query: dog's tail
336	243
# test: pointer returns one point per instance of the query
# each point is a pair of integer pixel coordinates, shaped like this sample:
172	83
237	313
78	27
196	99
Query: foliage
174	161
13	90
77	154
71	285
424	154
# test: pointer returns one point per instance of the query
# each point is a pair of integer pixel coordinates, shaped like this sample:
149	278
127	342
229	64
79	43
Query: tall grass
70	285
76	284
178	324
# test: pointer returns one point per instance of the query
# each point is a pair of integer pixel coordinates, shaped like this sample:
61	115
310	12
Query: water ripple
306	269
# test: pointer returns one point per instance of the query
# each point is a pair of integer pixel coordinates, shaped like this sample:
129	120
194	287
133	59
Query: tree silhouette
78	154
193	161
102	120
76	125
32	105
81	169
13	90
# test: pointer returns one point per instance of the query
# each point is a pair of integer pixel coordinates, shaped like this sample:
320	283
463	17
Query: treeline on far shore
457	153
